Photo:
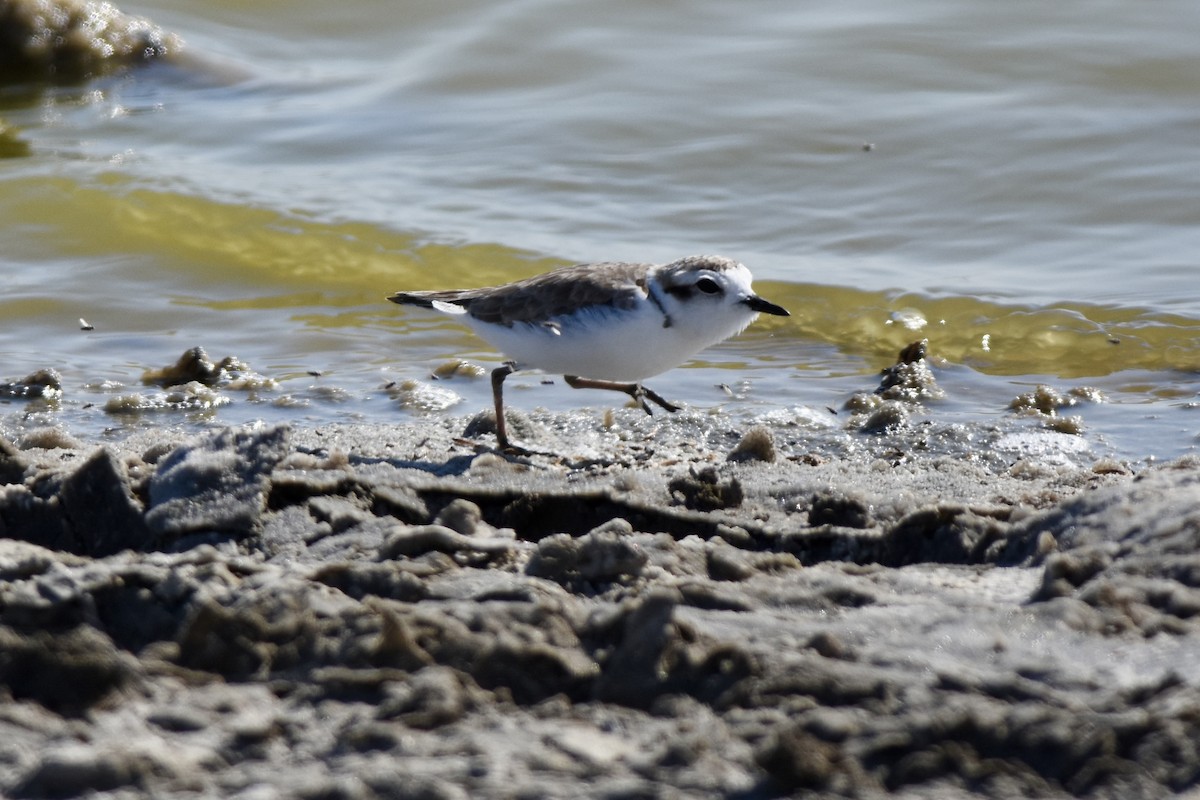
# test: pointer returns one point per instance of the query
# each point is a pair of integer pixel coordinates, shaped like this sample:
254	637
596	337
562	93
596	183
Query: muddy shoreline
682	607
393	611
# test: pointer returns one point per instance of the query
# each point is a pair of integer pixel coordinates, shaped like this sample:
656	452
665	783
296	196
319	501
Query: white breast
600	343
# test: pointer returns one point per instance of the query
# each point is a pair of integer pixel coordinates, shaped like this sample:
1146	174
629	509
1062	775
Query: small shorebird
607	325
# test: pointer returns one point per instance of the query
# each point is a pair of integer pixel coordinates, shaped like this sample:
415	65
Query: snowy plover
605	326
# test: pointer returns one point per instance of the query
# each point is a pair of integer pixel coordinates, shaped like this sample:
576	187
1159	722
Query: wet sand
390	612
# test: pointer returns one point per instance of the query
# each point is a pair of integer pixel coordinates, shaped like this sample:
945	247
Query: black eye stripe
708	286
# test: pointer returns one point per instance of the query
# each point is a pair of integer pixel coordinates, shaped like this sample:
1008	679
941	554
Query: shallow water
1015	183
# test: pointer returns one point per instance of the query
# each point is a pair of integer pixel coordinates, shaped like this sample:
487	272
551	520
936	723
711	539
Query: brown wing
544	296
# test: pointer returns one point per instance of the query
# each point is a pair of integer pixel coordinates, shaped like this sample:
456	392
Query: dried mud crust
386	613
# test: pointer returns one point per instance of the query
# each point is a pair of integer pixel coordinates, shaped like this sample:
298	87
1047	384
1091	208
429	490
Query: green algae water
1016	185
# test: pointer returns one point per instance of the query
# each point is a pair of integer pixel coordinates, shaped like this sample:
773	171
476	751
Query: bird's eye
708	286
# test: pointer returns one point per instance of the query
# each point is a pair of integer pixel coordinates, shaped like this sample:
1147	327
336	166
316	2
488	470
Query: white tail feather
448	308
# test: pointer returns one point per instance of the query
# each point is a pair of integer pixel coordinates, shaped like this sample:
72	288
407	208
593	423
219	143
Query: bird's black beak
756	303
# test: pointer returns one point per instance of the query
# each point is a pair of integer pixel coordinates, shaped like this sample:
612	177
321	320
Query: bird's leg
635	390
502	443
498	375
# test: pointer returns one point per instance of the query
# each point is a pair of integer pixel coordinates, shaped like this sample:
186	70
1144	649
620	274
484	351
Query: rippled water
1017	183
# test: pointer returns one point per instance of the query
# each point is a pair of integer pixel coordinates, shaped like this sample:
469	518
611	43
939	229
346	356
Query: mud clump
1047	403
67	671
756	444
910	379
194	366
902	387
45	383
194	383
71	40
838	508
705	490
604	555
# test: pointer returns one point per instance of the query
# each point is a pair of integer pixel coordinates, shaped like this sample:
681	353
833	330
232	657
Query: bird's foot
507	448
642	394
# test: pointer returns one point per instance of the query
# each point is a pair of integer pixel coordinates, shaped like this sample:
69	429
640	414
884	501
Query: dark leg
502	442
498	376
634	390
